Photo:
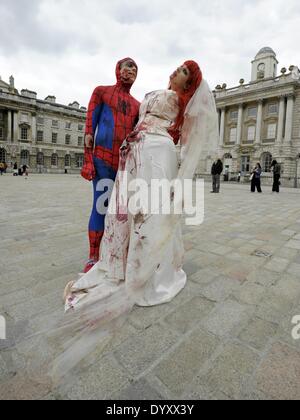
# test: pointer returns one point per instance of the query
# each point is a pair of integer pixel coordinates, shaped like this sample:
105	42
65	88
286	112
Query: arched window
24	157
54	160
68	161
40	159
266	160
2	155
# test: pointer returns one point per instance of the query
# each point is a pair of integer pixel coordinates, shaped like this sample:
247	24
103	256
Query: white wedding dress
129	240
141	252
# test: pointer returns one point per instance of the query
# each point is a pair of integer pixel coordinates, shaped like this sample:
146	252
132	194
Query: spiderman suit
112	115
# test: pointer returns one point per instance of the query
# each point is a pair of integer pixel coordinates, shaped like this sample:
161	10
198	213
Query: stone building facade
46	136
260	121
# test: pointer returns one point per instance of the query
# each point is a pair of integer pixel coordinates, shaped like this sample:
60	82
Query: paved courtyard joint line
228	335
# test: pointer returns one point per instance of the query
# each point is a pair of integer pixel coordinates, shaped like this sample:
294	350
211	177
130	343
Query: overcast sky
67	47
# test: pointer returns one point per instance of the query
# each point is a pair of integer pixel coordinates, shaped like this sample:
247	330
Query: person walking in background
256	178
216	170
15	169
2	168
275	166
25	170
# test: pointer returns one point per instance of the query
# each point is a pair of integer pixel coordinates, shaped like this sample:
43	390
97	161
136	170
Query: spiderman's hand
88	170
89	141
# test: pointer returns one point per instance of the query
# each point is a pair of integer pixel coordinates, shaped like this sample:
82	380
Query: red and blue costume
112	115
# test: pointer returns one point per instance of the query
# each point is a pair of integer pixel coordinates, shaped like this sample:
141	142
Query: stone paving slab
228	335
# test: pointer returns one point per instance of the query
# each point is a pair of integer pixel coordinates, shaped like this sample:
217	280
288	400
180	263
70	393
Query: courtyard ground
228	335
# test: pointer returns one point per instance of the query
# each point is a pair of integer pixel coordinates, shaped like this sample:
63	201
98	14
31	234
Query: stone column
259	122
280	119
16	127
240	124
9	123
33	129
289	119
222	127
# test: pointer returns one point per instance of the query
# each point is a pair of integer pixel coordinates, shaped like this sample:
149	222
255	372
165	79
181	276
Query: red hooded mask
118	73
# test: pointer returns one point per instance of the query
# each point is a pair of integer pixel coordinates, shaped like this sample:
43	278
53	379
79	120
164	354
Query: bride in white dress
142	253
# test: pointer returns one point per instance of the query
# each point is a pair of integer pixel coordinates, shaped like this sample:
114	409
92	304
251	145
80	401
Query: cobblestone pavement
228	335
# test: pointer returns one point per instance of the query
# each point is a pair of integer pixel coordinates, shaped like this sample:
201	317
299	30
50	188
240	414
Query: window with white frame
68	125
68	139
68	161
54	160
234	115
54	138
233	135
80	141
245	164
252	112
266	162
271	133
251	133
273	109
24	157
40	136
79	161
40	159
24	133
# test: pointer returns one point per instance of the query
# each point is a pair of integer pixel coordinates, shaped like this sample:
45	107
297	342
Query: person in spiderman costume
112	115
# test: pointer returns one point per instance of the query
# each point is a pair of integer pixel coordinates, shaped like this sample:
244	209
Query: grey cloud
22	29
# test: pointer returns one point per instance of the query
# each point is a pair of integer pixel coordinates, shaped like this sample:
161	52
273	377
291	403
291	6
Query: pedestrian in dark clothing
276	176
255	178
15	170
216	170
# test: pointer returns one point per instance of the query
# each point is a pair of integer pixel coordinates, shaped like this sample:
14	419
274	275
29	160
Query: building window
251	133
68	139
24	133
252	112
233	135
54	160
54	138
54	123
1	133
68	161
80	141
40	159
271	134
266	162
79	161
24	117
68	125
25	158
40	120
245	164
1	116
234	115
273	109
80	127
2	155
40	136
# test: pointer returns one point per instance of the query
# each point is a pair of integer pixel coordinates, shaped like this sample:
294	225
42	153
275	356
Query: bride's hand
132	137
